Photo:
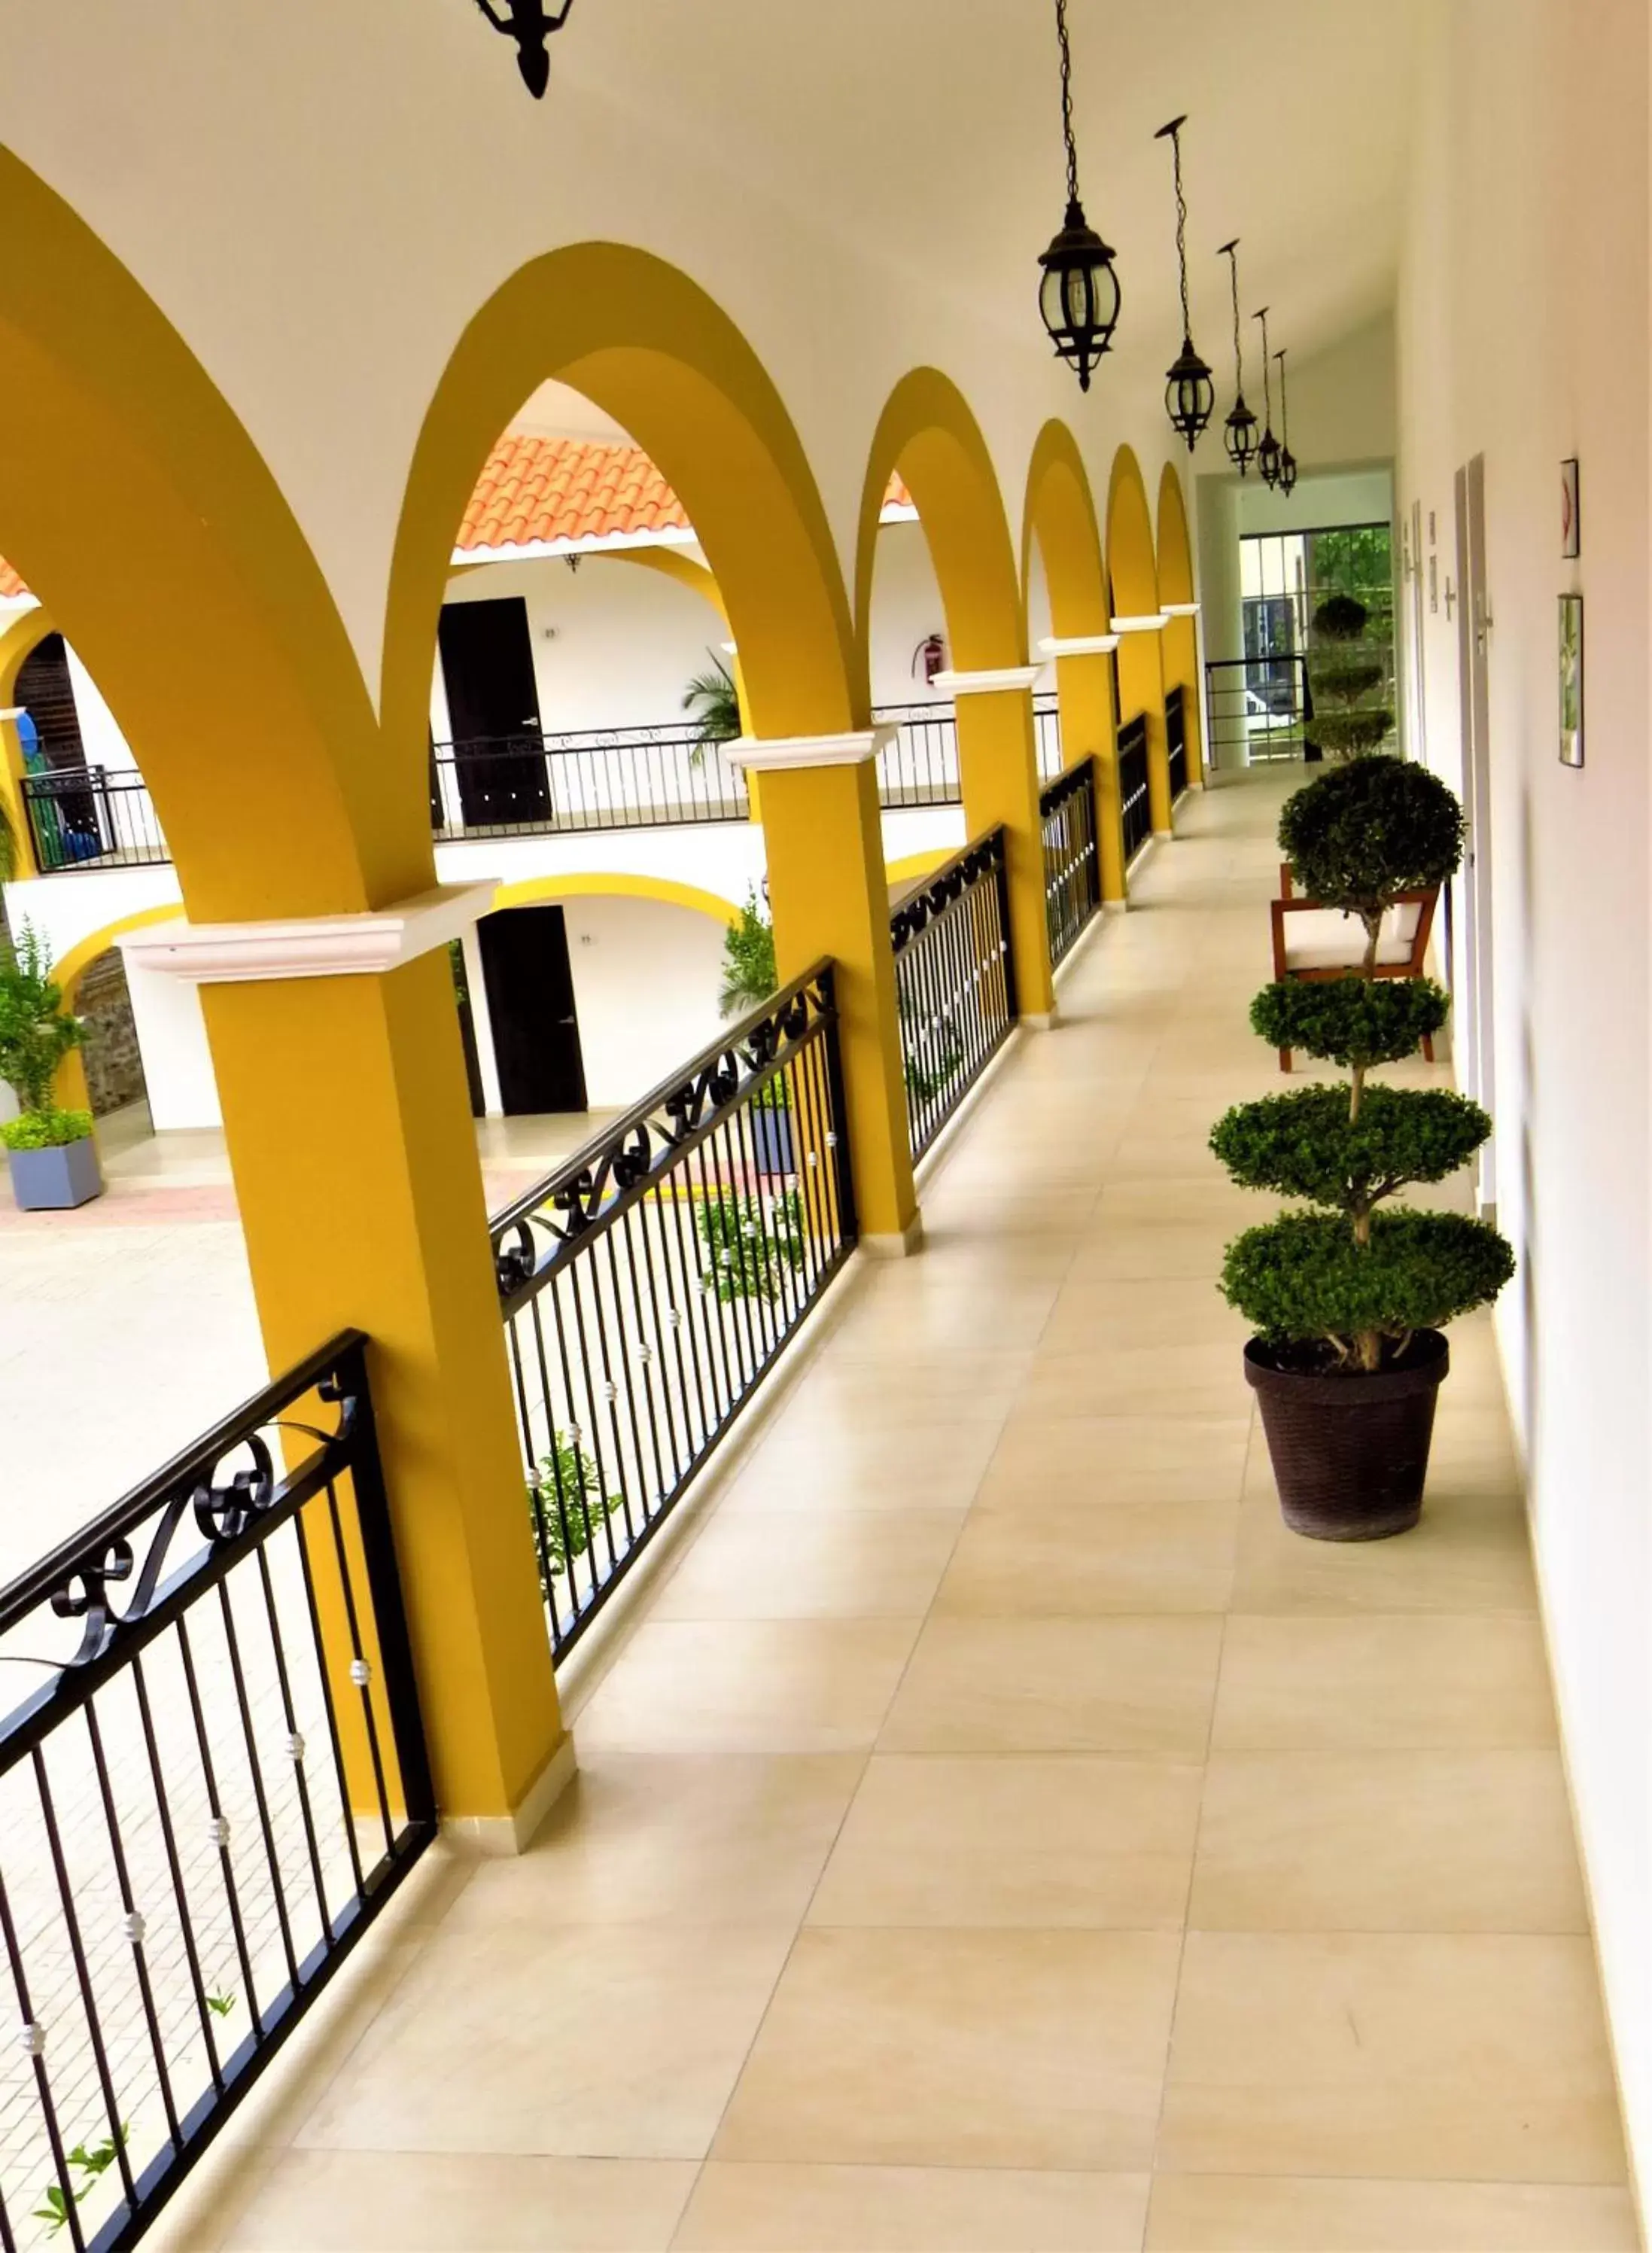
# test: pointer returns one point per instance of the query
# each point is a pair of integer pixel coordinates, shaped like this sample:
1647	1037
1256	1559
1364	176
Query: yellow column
998	758
829	895
1142	689
1182	670
355	1168
1089	722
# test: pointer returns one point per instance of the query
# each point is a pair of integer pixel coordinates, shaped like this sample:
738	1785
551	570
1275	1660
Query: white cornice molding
1181	609
758	755
1154	624
991	683
1078	645
309	947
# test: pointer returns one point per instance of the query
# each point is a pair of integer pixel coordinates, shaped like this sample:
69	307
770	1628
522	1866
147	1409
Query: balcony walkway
996	1833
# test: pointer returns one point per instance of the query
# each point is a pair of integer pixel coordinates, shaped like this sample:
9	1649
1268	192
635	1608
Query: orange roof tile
535	490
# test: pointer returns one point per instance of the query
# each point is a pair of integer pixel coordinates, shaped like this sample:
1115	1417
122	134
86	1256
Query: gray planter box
52	1180
771	1141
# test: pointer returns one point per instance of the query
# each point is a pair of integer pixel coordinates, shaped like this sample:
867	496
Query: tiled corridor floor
996	1833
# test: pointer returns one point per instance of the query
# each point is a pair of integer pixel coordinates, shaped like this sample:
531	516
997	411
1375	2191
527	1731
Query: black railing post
843	1170
1001	877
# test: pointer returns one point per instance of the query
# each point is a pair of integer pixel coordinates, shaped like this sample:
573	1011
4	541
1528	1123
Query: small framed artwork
1571	517
1572	681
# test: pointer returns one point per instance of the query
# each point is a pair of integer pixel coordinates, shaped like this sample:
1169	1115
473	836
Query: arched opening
1182	635
928	434
1061	555
1133	582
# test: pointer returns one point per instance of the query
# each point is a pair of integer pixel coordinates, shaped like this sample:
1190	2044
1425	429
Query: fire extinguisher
929	659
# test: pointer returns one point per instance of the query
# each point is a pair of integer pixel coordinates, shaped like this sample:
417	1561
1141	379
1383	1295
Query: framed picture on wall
1571	515
1572	681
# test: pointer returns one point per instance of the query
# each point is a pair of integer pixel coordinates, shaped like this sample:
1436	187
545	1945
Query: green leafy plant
93	2161
566	1506
36	1031
45	1130
1344	672
1348	1286
712	702
752	1244
749	977
220	2005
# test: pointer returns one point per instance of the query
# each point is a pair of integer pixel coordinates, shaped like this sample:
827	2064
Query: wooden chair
1324	943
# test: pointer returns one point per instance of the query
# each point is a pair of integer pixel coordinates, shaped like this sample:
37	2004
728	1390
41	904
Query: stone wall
113	1068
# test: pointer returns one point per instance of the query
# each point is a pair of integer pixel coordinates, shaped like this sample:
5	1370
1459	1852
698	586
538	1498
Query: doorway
1475	995
530	995
494	711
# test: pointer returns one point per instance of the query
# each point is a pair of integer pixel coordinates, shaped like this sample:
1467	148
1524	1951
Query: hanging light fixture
1240	436
1268	454
1079	296
530	23
1190	393
1287	459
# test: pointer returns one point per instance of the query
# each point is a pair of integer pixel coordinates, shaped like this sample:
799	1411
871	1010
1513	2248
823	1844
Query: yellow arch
1133	573
115	443
918	864
25	633
929	434
587	884
1059	513
1181	658
649	346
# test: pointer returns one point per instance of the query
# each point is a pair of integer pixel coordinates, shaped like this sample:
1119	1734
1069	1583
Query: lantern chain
1182	228
1067	100
1267	380
1231	251
1284	403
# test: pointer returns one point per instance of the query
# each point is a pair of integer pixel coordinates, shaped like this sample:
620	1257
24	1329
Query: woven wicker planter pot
1350	1453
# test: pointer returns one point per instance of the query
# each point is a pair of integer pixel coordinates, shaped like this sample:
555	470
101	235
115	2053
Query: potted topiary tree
750	979
52	1155
1344	673
1348	1300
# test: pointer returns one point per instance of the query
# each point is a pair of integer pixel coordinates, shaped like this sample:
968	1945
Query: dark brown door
530	989
487	666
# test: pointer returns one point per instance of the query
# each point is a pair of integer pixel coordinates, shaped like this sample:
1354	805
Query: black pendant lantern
1287	459
1268	454
1240	435
530	23
1079	296
1190	393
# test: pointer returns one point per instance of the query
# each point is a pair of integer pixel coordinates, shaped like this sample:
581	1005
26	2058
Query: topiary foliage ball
1341	617
1304	1278
1304	1144
1365	833
1350	1020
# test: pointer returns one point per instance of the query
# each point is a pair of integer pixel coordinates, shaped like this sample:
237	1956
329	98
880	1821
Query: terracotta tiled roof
536	489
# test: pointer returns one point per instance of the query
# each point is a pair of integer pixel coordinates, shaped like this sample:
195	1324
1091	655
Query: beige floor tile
1464	2057
1192	1380
946	2048
407	2202
1106	1686
1097	1318
595	2042
1103	1844
1464	1557
1387	1842
1058	1559
840	1564
1116	1459
778	2209
1249	2213
1385	1681
924	1467
1129	1252
636	1840
903	1390
750	1686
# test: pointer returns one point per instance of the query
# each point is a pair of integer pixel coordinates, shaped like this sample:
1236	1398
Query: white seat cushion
1323	938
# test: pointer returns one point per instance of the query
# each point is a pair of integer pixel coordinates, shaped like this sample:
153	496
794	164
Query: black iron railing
1135	808
217	1784
954	983
91	817
1258	709
650	1282
1046	726
1175	728
920	767
601	779
1072	864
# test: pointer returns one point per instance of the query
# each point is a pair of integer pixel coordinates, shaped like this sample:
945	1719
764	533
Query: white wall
172	1039
906	609
101	737
1524	337
646	977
